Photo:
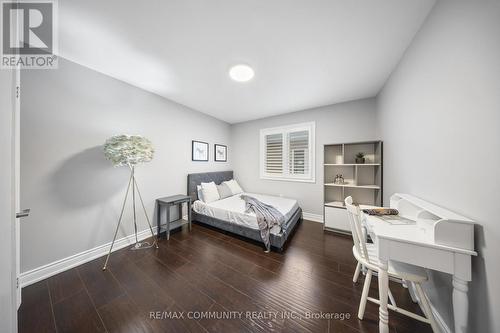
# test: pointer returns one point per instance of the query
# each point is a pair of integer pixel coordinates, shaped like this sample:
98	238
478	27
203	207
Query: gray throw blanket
267	217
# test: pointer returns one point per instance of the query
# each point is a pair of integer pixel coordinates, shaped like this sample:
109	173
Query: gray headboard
195	179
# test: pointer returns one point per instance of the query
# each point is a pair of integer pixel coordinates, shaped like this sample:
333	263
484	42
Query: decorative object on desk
360	158
199	151
381	211
130	150
339	180
220	152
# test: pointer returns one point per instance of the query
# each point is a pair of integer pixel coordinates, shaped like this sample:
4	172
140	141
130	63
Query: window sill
284	179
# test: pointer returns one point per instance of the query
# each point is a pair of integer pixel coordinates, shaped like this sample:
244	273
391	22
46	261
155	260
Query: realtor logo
29	37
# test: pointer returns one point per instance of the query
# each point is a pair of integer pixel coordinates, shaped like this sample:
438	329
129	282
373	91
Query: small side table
166	202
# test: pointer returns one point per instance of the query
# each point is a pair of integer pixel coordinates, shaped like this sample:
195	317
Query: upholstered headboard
195	179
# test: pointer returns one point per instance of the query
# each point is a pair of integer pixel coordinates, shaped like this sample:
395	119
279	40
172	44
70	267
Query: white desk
440	240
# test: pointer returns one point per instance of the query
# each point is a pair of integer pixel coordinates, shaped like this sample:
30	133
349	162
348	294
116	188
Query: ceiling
305	53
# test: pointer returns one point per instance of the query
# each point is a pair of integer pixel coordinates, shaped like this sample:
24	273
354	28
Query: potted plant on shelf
360	158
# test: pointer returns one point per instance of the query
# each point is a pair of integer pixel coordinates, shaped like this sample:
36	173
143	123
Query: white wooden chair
366	255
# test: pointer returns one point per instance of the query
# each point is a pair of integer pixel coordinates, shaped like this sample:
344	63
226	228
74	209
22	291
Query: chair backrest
358	236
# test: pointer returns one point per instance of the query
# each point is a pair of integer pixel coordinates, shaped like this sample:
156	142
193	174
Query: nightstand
167	202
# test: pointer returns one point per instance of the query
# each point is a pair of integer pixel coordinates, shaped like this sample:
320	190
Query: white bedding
232	209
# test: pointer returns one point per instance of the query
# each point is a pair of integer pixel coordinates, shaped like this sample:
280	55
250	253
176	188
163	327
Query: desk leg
460	304
383	289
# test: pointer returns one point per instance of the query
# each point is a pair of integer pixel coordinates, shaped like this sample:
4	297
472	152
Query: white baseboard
312	217
53	268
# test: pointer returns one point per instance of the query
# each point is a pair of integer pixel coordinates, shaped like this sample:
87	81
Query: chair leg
426	307
364	295
356	273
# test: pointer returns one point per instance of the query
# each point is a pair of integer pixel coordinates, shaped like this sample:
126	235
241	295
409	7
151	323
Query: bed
228	214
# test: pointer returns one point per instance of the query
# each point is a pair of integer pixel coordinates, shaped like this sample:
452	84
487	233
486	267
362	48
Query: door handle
23	213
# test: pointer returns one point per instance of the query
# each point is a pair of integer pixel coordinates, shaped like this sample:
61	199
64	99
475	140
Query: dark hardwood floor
214	273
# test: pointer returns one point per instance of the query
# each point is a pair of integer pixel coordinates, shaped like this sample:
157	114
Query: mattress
232	209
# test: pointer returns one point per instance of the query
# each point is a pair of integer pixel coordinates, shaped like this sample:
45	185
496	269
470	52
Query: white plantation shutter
298	152
287	153
274	154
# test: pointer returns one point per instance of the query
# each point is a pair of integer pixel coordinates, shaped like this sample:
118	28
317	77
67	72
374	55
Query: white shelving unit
363	181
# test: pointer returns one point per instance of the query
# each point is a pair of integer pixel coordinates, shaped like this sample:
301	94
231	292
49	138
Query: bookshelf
362	181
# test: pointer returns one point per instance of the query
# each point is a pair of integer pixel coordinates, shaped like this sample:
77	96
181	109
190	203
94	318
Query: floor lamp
130	150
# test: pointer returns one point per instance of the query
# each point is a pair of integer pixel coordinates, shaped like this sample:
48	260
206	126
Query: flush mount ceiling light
241	73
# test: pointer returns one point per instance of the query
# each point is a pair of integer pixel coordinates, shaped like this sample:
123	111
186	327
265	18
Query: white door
8	201
10	290
17	183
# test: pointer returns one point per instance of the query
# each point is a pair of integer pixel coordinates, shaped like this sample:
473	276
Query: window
287	153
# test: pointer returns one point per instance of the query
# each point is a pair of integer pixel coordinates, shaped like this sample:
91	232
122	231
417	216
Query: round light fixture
241	73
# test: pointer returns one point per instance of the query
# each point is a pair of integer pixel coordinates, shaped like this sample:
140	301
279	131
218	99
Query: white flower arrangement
128	150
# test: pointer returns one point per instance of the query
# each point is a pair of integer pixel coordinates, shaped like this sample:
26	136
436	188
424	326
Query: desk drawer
336	219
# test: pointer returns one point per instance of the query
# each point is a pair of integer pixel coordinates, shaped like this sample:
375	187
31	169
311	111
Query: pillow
234	186
200	193
210	192
224	191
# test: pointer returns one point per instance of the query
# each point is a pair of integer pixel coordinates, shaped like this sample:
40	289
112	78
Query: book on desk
396	220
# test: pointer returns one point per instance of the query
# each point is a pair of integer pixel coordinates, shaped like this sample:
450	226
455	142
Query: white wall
439	117
346	122
75	194
8	321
